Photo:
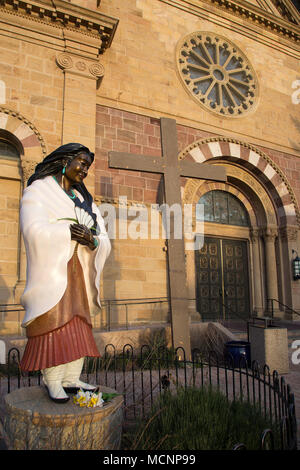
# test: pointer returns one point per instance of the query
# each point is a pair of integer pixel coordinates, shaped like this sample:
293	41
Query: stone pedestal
34	422
269	346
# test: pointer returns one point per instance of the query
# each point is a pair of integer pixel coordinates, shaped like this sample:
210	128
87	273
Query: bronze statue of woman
64	263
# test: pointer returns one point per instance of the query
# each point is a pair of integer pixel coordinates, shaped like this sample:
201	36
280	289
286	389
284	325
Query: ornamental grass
198	419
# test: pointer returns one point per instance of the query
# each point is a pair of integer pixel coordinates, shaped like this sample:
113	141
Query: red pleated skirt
64	333
66	344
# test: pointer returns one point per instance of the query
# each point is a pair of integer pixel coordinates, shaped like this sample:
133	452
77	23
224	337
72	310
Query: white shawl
49	248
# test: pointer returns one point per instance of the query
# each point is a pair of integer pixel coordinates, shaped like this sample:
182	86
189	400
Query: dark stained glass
8	151
222	207
207	201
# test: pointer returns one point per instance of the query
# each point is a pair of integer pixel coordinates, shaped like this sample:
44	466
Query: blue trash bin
235	350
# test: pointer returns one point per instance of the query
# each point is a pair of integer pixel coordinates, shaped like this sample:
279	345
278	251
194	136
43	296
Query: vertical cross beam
172	169
180	321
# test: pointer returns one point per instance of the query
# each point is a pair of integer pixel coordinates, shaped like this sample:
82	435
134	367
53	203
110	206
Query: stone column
82	76
290	288
191	284
193	243
257	280
269	235
28	167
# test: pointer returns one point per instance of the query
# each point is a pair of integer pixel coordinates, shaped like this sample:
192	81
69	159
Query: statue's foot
56	392
74	387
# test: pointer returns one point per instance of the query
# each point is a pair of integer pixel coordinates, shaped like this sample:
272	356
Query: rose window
217	74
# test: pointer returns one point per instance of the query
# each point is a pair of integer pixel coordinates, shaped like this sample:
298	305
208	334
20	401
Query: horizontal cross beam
148	164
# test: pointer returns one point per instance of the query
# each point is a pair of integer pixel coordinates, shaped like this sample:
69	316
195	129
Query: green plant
194	419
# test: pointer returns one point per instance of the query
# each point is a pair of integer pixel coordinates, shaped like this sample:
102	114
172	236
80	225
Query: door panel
235	278
222	279
209	279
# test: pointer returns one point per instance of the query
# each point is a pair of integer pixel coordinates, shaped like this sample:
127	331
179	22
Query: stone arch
32	146
258	163
271	199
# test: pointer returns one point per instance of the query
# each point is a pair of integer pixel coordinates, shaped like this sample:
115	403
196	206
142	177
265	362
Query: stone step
292	335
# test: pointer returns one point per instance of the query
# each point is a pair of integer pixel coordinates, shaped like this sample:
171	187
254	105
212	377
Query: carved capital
28	167
96	69
64	61
254	235
270	234
80	66
288	233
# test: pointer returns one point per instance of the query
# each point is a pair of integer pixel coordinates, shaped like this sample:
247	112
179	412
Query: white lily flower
100	400
83	217
89	399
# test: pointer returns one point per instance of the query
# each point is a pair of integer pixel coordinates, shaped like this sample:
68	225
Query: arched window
222	207
8	151
10	190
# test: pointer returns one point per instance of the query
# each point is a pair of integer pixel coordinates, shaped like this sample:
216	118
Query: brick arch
22	129
258	163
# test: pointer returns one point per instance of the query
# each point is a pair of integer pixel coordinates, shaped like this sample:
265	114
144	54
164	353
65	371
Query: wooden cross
172	170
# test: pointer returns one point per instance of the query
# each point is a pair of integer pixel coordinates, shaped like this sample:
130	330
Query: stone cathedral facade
103	73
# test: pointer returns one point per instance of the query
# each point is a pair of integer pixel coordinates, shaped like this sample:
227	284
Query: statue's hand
82	234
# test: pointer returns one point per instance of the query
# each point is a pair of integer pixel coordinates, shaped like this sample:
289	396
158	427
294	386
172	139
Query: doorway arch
222	263
273	213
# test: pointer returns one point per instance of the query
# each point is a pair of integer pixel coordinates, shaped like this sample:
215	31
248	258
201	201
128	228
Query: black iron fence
141	376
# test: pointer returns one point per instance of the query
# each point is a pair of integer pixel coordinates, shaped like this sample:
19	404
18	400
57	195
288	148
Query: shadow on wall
5	297
205	337
295	145
5	291
11	313
111	273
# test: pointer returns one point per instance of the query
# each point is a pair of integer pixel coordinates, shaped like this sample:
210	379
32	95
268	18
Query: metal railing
9	309
114	310
141	376
105	320
108	305
271	309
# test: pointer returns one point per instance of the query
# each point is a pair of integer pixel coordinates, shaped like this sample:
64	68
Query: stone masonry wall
9	224
34	86
124	131
142	76
34	89
137	268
